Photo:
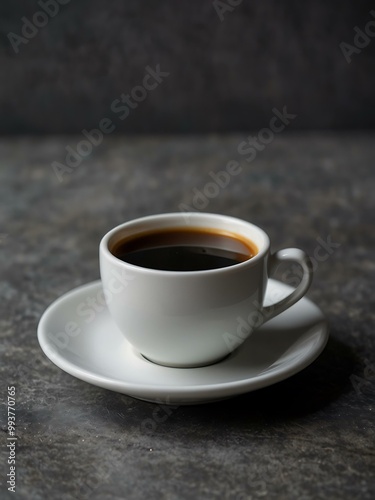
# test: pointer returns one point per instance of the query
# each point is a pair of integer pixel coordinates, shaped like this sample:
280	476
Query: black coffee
184	249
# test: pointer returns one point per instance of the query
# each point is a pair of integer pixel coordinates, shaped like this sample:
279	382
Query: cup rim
105	251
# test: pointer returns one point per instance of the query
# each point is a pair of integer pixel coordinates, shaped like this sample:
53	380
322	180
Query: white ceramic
91	348
196	318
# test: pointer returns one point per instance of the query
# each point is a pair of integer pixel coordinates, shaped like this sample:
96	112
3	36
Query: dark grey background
224	76
310	437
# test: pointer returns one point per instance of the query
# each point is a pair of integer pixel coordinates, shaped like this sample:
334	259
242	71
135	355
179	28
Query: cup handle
296	255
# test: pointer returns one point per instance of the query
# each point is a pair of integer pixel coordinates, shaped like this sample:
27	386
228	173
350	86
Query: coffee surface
184	249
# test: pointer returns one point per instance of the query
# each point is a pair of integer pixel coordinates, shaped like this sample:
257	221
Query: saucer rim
232	388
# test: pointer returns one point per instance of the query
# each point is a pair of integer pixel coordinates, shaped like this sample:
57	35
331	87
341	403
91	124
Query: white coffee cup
189	319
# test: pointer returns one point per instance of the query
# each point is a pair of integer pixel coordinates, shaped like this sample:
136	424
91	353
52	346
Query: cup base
185	365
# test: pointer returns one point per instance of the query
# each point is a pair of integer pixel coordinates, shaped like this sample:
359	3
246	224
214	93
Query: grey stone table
311	436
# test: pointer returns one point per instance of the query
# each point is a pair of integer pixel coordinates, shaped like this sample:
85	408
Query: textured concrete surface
309	437
225	74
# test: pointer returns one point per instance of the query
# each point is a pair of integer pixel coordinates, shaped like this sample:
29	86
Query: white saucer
100	355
